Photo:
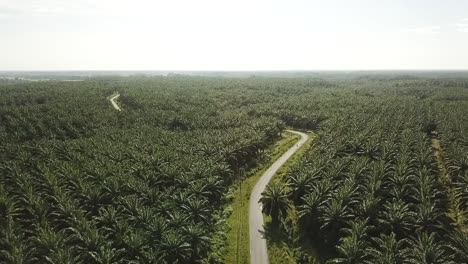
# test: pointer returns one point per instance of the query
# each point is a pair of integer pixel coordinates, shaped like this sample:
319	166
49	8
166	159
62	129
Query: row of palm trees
454	142
147	201
84	183
140	186
371	189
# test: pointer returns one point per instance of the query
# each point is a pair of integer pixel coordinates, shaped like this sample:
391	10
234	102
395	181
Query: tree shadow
275	233
303	241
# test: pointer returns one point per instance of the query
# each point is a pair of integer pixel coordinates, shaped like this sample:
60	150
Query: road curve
112	99
258	247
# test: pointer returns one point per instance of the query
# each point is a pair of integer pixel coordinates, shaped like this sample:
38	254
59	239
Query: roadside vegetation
282	249
238	236
386	181
83	183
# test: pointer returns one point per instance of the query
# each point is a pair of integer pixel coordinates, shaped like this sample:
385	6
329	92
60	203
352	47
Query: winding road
112	99
258	246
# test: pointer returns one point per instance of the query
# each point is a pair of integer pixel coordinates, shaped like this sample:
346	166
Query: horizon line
208	70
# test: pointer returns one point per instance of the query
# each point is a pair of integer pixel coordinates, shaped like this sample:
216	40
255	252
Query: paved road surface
258	248
114	103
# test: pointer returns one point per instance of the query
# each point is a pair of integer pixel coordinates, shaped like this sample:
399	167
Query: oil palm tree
396	217
197	209
428	216
15	248
459	165
308	210
106	254
425	249
275	201
156	227
174	248
62	255
135	243
387	249
459	245
198	240
299	184
47	240
352	248
334	215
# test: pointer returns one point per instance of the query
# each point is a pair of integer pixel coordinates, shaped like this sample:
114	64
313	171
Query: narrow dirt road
258	247
112	99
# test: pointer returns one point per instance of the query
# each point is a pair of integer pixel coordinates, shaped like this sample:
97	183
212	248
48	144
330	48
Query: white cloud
462	28
462	25
429	30
19	8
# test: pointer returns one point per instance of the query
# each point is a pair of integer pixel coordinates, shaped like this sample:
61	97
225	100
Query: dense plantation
81	182
386	180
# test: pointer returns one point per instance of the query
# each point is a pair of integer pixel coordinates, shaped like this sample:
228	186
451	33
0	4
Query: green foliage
275	201
81	182
374	166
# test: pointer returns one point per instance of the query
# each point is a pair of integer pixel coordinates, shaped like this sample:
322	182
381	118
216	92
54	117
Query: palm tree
396	217
308	211
174	248
131	205
275	201
106	254
371	150
66	212
8	208
424	156
461	185
94	198
459	245
387	249
425	249
86	239
198	210
352	248
177	219
215	186
15	248
199	189
299	184
135	243
369	206
346	193
156	227
150	256
198	240
151	197
334	215
428	216
459	165
389	151
62	256
47	240
358	169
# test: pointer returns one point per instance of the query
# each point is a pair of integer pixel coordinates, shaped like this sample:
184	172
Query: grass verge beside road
280	249
238	236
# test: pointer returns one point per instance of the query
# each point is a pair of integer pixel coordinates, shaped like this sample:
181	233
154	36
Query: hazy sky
233	35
